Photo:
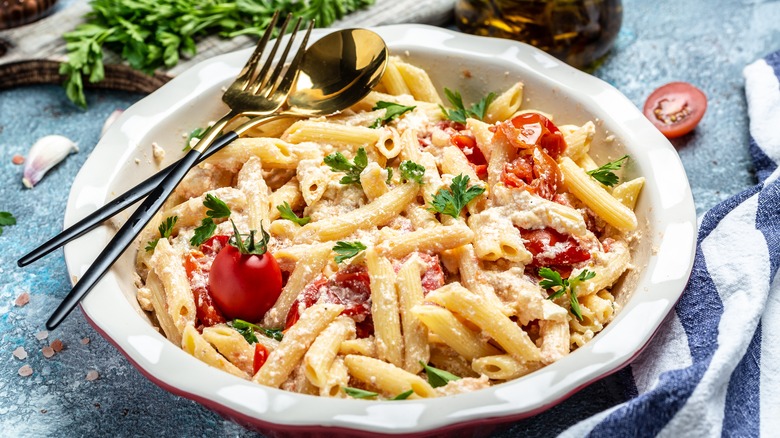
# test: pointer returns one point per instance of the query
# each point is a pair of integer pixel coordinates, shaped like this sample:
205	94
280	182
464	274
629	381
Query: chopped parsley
561	286
404	395
215	209
247	330
450	201
339	163
347	250
437	377
286	213
461	113
392	111
605	174
411	171
6	219
165	229
389	175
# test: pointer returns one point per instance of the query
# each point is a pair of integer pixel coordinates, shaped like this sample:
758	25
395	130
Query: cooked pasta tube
410	294
230	344
388	378
194	344
384	308
503	367
506	104
454	333
296	341
432	239
319	358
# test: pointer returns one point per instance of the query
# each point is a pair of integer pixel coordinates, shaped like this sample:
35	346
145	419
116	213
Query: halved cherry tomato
261	355
244	286
529	130
536	172
676	108
551	248
206	314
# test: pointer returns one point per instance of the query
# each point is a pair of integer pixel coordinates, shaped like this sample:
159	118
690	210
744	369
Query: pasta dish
408	247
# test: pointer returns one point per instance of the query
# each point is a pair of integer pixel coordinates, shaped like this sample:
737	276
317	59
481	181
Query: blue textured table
705	42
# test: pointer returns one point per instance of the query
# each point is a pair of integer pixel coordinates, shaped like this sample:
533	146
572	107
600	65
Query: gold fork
255	89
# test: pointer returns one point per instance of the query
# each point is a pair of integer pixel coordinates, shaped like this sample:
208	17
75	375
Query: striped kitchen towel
714	368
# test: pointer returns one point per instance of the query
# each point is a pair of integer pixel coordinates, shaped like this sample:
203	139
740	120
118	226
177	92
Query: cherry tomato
676	108
261	355
468	144
244	286
551	248
206	314
529	130
536	172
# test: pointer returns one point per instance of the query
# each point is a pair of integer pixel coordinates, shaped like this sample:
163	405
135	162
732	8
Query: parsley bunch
215	209
151	34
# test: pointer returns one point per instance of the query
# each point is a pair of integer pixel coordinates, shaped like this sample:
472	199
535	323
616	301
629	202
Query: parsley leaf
461	113
215	209
404	395
411	171
339	163
553	280
437	377
358	393
150	35
392	111
165	229
196	133
242	327
347	250
452	200
604	173
286	213
389	175
6	219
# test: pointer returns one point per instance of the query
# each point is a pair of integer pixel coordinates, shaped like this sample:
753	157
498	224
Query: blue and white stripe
714	368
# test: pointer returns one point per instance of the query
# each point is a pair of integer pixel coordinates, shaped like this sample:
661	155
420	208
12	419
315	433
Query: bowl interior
475	66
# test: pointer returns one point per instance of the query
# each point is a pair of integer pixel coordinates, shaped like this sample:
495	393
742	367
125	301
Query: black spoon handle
125	236
120	203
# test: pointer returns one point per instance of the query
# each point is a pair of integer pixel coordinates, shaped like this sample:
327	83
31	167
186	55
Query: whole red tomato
244	285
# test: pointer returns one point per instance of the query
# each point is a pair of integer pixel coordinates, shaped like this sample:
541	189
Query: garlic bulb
46	153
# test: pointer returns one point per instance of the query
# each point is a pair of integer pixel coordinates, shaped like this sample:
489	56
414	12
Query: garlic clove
46	153
110	120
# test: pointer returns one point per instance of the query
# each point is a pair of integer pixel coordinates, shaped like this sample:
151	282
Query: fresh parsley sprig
461	113
150	34
560	286
6	219
286	212
347	250
605	174
392	111
411	171
165	229
339	163
215	209
450	201
196	133
247	330
437	377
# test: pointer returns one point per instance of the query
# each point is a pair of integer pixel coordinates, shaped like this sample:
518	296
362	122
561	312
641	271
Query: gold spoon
336	72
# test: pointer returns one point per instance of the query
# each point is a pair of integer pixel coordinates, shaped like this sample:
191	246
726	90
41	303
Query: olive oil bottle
577	32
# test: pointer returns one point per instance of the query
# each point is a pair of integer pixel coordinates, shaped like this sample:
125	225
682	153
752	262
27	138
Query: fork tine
260	77
292	70
268	83
248	71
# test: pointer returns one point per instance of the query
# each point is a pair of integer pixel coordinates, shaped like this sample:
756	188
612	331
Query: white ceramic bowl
475	66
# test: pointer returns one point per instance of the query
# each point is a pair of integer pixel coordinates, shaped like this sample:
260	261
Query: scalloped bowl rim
671	225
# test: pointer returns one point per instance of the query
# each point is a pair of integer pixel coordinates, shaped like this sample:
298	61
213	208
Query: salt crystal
42	335
25	370
47	351
20	354
92	375
22	299
56	345
84	341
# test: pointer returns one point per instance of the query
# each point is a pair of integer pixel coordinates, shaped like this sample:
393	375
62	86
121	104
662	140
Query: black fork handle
124	237
120	203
